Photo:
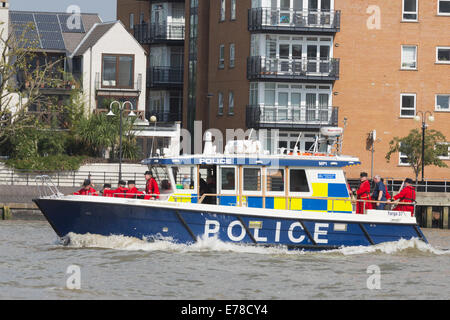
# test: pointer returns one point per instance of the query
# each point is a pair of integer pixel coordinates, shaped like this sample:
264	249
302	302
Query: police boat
298	200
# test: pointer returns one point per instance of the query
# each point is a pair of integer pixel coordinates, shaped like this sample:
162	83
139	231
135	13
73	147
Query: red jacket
90	192
407	194
133	193
151	188
363	193
120	192
108	193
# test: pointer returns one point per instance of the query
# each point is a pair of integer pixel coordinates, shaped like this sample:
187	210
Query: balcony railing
300	117
105	85
165	77
262	68
164	116
151	33
54	119
295	21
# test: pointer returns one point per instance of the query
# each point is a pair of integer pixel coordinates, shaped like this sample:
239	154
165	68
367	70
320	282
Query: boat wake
117	242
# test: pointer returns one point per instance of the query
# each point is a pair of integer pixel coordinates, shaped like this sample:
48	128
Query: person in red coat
151	188
87	189
363	193
407	194
121	191
133	192
107	192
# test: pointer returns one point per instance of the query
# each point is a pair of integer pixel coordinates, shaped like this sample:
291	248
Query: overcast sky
105	8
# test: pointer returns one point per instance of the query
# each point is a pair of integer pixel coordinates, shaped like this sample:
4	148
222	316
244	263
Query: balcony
298	118
166	117
112	87
292	70
146	33
165	77
293	21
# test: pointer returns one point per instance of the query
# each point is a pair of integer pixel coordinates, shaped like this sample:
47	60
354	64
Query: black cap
131	182
107	185
122	183
408	180
363	174
148	172
86	182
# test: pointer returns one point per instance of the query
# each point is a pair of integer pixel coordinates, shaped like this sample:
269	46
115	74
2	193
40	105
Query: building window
233	9
444	7
117	71
407	105
141	18
298	181
403	159
443	102
443	55
275	180
409	57
228	179
131	21
232	55
222	10
443	150
221	56
410	11
220	102
252	179
231	102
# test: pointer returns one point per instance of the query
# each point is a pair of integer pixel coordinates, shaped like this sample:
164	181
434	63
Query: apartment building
297	65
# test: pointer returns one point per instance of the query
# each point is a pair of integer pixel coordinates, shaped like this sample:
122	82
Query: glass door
311	56
325	63
283	104
284	55
311	99
324	108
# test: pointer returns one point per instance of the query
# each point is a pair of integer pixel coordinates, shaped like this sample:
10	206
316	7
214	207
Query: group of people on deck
151	189
380	195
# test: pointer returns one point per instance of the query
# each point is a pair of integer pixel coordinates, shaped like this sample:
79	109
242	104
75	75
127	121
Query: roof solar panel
70	24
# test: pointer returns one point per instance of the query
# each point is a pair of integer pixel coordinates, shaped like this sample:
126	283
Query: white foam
204	244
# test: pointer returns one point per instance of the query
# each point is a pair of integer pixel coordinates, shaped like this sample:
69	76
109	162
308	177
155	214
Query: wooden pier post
445	218
6	213
429	220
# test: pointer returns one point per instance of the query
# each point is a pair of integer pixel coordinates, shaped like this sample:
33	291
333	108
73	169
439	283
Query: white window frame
232	55
437	108
266	182
437	52
220	103
221	56
131	21
252	193
438	7
233	10
401	106
448	154
402	61
222	10
400	163
231	102
410	12
236	182
299	193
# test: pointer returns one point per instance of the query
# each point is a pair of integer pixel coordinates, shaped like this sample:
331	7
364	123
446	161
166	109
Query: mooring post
445	219
6	213
429	217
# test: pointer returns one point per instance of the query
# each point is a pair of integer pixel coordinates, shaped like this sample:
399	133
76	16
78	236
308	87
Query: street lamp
111	113
153	120
421	115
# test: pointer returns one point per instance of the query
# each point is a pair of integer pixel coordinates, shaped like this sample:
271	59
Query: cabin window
252	179
228	179
275	180
298	181
184	177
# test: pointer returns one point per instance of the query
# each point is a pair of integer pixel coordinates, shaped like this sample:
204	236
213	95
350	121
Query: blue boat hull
184	225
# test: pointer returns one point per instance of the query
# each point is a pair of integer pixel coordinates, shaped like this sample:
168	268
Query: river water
34	265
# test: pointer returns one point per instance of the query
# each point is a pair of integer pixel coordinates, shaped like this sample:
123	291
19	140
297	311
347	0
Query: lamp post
111	113
153	120
422	115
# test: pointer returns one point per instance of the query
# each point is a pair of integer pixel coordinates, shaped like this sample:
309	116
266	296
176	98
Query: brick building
298	65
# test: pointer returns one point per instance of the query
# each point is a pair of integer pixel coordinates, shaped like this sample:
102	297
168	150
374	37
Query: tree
411	147
20	81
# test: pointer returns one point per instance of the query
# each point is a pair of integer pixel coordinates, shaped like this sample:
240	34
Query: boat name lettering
322	163
236	232
216	161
